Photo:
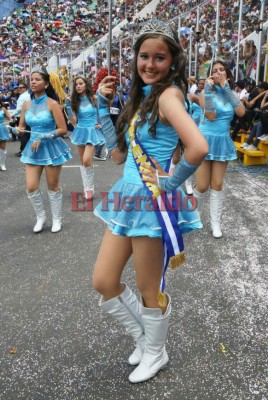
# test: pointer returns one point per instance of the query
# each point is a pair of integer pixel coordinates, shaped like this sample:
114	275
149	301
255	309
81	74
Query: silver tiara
158	27
40	69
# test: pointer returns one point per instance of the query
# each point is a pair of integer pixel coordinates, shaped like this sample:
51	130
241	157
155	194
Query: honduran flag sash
164	206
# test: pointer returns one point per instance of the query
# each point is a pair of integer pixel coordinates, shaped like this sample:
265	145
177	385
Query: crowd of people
42	28
165	133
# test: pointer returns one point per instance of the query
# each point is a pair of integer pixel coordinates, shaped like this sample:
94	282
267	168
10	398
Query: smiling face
154	61
80	86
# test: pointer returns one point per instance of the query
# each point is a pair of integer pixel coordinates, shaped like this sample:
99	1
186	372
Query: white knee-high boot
189	185
3	155
37	203
55	199
216	206
126	309
154	357
87	174
200	197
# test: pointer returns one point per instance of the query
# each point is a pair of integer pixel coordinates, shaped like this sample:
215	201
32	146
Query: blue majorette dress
195	112
4	136
51	151
217	132
85	131
130	212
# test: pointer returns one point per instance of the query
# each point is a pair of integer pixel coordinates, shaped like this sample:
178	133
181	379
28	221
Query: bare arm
57	113
171	108
253	101
172	111
264	102
106	90
22	123
194	98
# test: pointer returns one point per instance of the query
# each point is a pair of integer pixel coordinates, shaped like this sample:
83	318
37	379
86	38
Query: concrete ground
57	344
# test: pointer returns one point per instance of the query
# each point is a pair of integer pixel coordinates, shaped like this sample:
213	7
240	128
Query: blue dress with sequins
4	136
217	132
85	131
127	209
195	112
51	151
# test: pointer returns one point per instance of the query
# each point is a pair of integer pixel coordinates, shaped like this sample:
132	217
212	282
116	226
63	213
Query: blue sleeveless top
137	218
87	113
85	131
217	132
51	151
161	146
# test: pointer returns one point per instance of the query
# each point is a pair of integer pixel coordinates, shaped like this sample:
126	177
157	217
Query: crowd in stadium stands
38	30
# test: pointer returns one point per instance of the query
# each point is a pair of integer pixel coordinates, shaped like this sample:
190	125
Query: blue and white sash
165	208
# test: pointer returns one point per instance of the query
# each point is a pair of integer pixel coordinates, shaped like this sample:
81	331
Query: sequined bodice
224	115
160	146
39	118
87	113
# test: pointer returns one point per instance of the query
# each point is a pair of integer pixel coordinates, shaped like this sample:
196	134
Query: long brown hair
227	70
75	98
176	76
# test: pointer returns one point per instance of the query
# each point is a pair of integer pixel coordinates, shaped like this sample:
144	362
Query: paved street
57	344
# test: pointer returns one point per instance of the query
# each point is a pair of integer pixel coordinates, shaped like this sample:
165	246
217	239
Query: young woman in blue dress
45	149
156	114
87	133
4	136
195	112
219	103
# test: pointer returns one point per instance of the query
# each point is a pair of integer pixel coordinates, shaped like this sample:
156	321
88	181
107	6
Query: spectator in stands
192	84
246	121
241	89
260	129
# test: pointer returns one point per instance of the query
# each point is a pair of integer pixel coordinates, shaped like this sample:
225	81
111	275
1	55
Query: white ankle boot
55	199
154	357
216	206
37	203
3	155
87	174
126	309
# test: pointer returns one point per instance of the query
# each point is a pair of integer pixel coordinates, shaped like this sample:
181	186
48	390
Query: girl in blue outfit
45	149
148	131
219	103
87	133
195	112
4	136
